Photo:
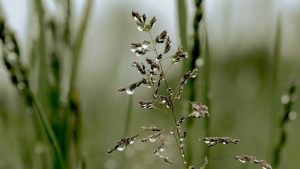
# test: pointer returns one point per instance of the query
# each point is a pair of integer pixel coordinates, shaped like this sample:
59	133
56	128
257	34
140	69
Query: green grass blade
181	7
79	38
196	52
274	93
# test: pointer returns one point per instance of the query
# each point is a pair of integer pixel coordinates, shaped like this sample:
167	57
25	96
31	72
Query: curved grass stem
49	133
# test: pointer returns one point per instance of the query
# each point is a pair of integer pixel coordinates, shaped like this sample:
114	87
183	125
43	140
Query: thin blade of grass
274	92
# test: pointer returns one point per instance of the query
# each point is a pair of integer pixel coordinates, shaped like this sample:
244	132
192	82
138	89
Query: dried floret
141	68
146	104
152	21
121	145
200	110
162	37
167	45
211	141
180	121
153	64
179	55
152	138
252	159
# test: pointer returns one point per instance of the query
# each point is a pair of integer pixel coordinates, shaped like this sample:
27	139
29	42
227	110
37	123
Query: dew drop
184	162
181	139
138	54
12	57
145	46
285	99
199	62
171	132
21	85
162	149
224	143
242	161
133	49
292	115
130	92
182	155
132	141
121	148
149	86
135	18
207	142
140	28
151	139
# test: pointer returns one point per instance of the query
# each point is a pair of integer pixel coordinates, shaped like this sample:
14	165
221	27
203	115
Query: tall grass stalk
43	88
288	115
49	133
274	93
19	78
128	116
196	53
205	97
73	99
182	21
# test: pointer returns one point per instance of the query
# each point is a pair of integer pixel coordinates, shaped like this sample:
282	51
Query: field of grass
62	63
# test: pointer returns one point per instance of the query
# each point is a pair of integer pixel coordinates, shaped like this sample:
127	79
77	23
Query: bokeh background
242	38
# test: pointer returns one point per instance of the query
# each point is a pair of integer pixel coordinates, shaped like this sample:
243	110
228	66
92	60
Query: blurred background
242	36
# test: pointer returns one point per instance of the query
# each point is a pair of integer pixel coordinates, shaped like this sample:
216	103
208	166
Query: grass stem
274	94
196	53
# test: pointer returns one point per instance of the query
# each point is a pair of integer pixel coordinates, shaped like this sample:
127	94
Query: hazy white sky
233	25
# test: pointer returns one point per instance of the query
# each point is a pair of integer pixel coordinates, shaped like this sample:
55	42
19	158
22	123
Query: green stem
274	100
73	98
182	22
196	52
283	132
128	116
42	76
49	133
206	90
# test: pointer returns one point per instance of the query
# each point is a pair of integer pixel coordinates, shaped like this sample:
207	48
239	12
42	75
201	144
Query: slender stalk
128	116
182	22
76	48
49	132
196	52
182	154
73	98
274	95
206	90
43	82
283	132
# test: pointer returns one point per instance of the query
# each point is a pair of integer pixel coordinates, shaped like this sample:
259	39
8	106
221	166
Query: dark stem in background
285	119
49	133
196	53
274	94
43	80
181	7
73	96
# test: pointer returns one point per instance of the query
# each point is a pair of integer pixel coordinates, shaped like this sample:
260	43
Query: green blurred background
241	36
